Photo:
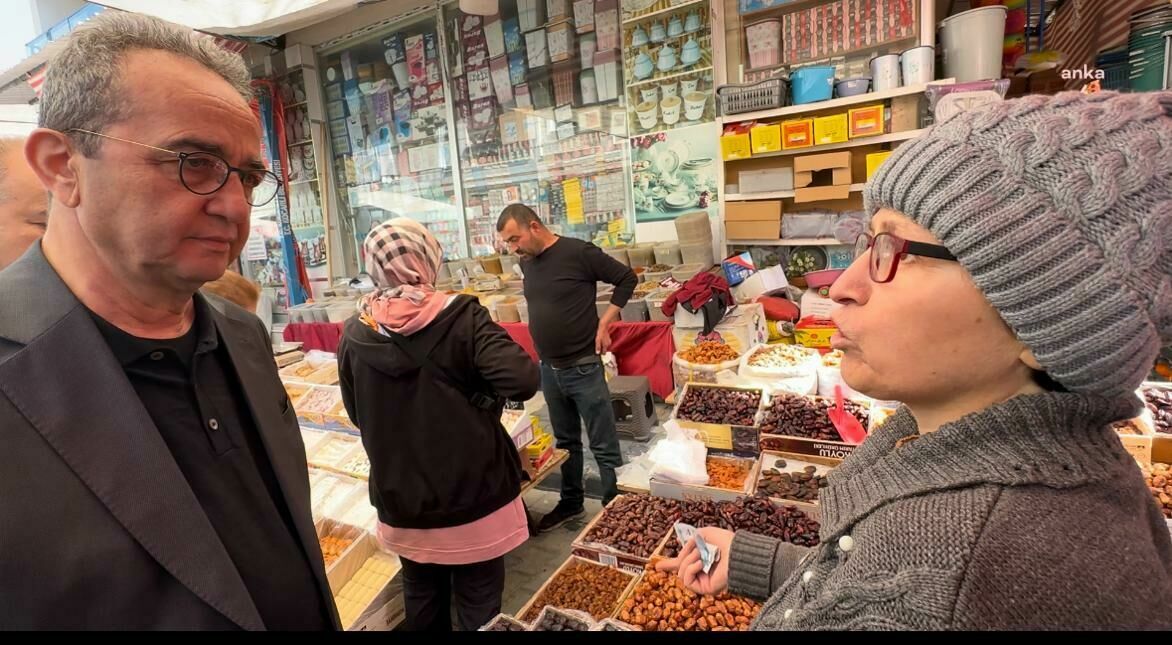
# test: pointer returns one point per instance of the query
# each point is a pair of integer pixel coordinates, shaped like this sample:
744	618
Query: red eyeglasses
887	250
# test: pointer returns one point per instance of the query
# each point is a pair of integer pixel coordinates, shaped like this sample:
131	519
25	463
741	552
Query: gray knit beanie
1061	209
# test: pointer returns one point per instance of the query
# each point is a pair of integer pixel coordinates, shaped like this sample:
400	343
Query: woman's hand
689	568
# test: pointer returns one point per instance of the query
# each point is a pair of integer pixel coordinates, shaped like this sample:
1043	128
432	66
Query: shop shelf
659	12
660	79
853	143
779	194
869	97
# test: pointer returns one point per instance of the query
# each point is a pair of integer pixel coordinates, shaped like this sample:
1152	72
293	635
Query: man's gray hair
82	87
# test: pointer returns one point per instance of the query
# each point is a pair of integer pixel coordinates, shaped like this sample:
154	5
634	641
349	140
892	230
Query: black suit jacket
98	527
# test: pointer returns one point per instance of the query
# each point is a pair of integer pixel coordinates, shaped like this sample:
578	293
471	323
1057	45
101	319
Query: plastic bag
610	365
318	359
680	458
636	473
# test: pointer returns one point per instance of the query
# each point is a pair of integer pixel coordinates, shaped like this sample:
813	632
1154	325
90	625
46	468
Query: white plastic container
885	72
918	65
655	302
973	43
635	311
523	311
685	272
668	254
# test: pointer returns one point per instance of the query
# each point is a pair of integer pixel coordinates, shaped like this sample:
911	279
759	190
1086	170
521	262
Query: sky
16	29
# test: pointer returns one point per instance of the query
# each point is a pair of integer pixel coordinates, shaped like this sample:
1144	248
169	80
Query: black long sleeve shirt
560	287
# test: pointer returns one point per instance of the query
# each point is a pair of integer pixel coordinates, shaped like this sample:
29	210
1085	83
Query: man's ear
52	157
1031	361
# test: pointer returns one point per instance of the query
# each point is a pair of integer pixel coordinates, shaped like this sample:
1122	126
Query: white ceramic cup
694	103
647	112
689	85
671	109
649	94
669	89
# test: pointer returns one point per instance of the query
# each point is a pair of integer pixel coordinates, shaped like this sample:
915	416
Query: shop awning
243	18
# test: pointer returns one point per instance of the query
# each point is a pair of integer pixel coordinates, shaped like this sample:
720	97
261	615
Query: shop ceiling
253	19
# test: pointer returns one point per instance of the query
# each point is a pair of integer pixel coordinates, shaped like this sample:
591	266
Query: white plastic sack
318	359
680	458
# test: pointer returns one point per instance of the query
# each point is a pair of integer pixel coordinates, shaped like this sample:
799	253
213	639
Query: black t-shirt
560	287
192	393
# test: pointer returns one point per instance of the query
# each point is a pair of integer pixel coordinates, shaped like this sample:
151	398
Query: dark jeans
428	589
578	394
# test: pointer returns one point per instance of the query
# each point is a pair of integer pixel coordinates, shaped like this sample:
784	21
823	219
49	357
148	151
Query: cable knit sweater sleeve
759	565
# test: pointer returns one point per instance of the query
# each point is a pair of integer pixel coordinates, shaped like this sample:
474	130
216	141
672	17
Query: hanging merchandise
270	109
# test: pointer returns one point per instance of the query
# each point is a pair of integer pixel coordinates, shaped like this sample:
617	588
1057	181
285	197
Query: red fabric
641	348
323	336
779	308
698	291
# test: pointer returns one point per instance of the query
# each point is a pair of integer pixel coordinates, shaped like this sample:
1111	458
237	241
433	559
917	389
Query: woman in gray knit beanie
1012	292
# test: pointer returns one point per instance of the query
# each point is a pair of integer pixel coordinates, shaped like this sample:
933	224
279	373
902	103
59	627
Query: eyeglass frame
904	249
183	156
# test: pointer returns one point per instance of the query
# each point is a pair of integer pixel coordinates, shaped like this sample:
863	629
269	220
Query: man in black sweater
561	279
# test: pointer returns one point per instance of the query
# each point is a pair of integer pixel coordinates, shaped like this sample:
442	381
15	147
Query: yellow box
866	121
735	146
874	160
766	138
798	133
831	129
538	446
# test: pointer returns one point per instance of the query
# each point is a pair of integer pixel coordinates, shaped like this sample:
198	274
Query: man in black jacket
561	278
155	477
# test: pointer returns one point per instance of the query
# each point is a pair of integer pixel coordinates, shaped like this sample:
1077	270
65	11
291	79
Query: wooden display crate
809	508
673	490
606	554
722	437
520	615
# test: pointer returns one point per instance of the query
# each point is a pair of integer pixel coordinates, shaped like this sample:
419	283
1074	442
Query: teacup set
671	100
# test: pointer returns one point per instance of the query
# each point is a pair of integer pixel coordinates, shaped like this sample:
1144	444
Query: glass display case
539	117
388	128
668	61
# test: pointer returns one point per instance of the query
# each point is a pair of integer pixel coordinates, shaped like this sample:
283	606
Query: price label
608	560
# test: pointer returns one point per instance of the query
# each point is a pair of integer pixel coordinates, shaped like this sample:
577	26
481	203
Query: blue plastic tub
811	84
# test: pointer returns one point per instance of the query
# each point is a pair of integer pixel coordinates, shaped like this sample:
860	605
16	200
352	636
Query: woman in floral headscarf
424	376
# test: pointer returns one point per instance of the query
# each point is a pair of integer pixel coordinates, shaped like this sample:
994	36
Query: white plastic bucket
885	72
973	43
918	65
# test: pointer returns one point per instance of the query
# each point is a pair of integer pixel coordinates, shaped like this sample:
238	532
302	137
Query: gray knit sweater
1027	515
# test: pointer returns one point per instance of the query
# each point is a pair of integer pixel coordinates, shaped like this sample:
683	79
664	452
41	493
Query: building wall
47	13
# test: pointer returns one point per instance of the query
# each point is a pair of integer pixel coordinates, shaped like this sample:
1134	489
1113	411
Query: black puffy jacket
436	460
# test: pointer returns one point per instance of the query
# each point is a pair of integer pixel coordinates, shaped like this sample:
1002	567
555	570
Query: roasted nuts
709	353
720	405
832	359
1159	403
780	356
799	485
729	474
635	524
801	416
755	514
660	603
591	588
1159	479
